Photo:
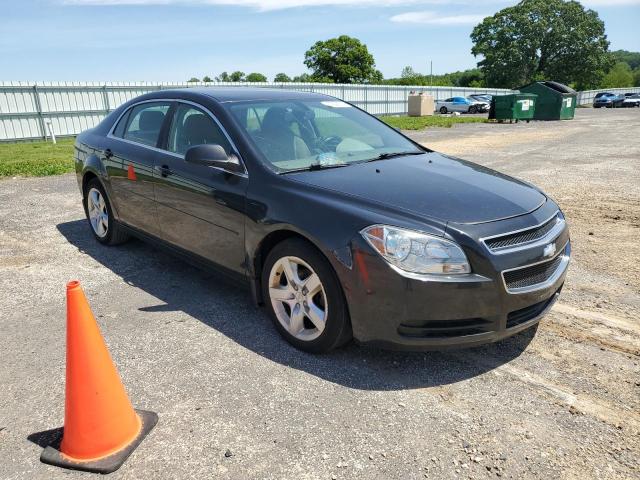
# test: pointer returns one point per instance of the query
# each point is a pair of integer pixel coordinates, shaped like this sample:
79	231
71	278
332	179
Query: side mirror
213	155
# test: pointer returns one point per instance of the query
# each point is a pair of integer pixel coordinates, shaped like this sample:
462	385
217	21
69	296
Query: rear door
200	208
460	104
134	145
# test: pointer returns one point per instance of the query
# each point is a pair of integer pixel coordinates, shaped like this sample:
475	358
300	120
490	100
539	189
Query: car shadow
221	305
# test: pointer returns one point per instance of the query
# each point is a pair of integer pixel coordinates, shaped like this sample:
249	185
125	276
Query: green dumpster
555	100
515	106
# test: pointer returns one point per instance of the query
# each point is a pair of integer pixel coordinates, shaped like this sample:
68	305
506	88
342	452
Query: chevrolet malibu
341	226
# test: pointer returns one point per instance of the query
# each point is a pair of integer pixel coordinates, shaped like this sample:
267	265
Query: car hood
431	185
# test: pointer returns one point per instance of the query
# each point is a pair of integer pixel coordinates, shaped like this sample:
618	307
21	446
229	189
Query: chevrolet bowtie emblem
549	250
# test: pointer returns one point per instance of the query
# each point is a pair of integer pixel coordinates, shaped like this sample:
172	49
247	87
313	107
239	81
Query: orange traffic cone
101	428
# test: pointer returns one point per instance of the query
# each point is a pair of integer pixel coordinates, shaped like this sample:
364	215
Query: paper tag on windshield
335	104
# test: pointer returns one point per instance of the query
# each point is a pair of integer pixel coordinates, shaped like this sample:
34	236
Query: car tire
443	110
314	320
97	208
473	109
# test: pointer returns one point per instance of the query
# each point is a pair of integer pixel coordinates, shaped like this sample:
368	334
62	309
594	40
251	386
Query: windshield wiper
317	166
385	156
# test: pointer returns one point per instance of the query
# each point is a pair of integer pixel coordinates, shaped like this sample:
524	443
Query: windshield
295	135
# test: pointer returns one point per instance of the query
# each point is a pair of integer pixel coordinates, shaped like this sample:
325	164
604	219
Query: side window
191	126
144	123
119	130
449	100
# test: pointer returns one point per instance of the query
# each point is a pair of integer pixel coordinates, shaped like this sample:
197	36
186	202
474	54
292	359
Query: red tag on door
131	173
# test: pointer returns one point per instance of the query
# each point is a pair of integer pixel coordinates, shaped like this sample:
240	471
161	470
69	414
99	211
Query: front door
200	208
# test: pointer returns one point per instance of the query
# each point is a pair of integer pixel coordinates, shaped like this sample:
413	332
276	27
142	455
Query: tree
282	78
542	39
632	58
619	76
376	77
236	77
408	72
223	77
469	78
256	77
207	79
636	77
193	80
340	60
303	78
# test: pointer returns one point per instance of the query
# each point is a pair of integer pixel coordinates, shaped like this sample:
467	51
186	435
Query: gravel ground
563	404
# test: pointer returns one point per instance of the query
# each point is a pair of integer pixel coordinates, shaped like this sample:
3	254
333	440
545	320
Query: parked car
342	226
607	100
632	100
456	104
482	97
482	106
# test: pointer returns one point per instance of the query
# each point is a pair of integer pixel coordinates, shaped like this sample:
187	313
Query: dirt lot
565	404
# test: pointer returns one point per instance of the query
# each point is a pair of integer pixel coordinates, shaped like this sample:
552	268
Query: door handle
108	153
164	170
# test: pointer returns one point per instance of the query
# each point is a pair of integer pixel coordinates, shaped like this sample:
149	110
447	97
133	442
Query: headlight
416	252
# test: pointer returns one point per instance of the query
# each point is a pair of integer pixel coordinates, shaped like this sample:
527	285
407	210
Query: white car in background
456	104
631	100
483	102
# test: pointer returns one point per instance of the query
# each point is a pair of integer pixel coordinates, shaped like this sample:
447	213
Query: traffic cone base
107	464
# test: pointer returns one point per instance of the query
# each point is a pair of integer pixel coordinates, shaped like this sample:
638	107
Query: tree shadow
221	305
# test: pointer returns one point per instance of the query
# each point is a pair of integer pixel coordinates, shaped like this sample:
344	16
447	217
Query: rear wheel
304	297
97	207
443	110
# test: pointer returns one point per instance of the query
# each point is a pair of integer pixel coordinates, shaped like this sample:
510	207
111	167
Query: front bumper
395	312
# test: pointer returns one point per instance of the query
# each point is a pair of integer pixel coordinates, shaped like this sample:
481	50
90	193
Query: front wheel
473	109
443	110
304	297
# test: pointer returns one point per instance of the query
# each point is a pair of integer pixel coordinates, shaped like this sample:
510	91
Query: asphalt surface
235	401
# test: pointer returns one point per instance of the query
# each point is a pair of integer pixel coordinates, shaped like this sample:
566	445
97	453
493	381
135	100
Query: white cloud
264	5
257	4
433	18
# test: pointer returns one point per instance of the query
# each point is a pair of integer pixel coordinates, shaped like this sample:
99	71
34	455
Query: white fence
26	108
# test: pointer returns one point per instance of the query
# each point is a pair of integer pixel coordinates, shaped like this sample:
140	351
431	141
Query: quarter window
190	127
144	123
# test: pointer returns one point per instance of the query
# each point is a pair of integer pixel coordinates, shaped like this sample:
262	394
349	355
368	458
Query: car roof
242	94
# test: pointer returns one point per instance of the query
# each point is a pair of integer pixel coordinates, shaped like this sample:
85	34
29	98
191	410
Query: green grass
418	123
36	159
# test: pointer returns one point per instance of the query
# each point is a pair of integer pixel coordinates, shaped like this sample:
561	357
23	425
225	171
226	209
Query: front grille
445	328
526	236
518	317
533	275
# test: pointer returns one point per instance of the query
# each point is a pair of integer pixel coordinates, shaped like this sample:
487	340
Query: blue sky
172	40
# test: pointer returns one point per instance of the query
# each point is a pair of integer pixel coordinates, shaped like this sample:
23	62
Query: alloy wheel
98	214
298	298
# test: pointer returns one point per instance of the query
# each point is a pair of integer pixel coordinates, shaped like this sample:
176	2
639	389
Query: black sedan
342	226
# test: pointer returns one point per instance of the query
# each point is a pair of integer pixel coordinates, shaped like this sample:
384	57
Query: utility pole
431	73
